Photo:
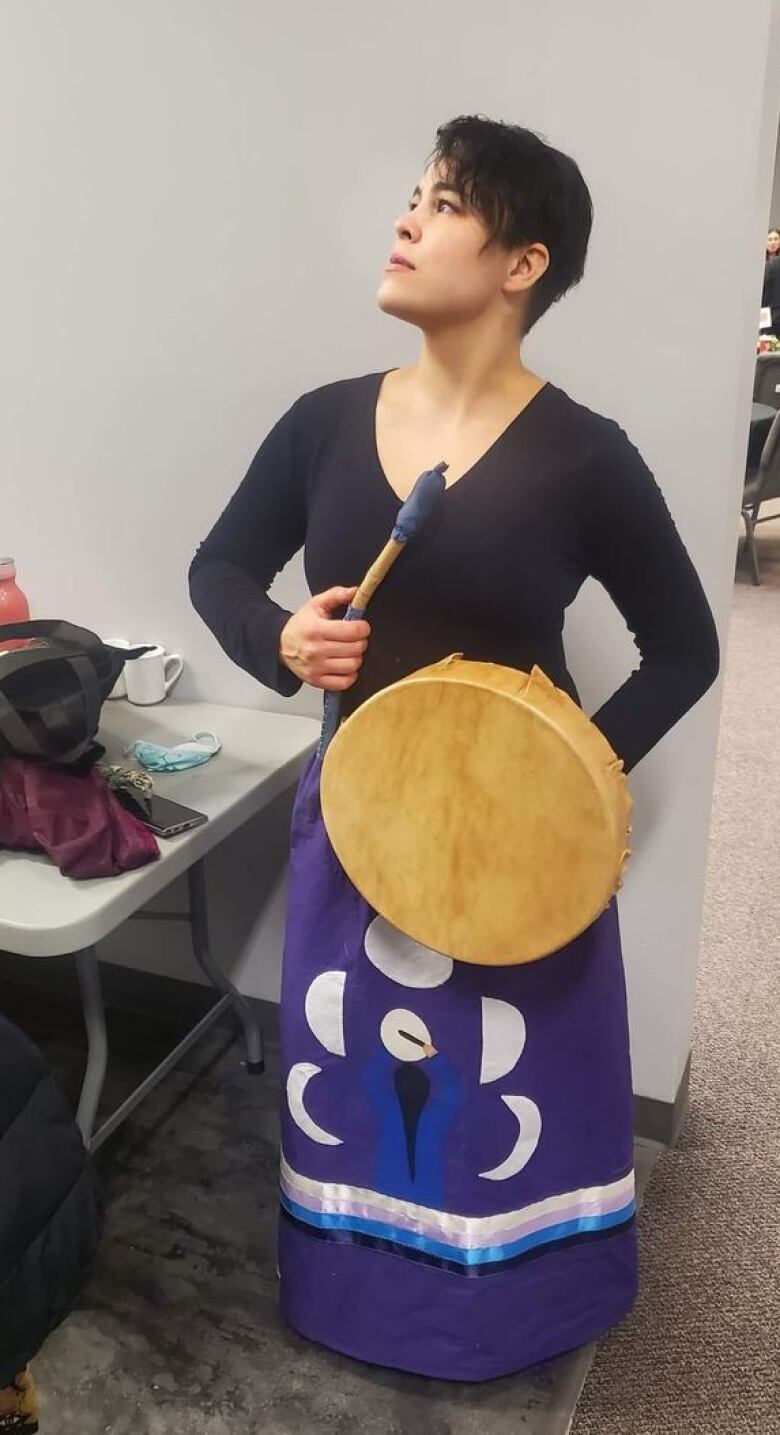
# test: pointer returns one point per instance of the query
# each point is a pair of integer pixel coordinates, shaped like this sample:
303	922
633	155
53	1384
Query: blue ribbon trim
403	1241
357	1238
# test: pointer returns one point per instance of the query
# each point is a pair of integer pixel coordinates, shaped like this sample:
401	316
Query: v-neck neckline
375	393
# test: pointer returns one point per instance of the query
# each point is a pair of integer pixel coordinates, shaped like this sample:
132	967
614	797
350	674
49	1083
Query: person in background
770	294
50	1218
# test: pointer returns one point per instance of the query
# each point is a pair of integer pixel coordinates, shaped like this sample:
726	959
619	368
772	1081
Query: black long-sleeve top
561	495
770	294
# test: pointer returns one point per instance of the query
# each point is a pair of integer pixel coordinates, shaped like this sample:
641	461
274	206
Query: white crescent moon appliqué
402	959
503	1038
529	1119
324	1007
297	1081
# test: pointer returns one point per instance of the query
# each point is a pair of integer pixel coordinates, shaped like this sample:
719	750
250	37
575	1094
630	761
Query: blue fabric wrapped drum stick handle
421	502
412	516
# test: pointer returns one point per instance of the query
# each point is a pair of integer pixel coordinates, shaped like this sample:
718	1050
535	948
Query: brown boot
19	1405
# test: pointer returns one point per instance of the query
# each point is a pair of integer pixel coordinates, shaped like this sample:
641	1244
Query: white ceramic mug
119	689
149	679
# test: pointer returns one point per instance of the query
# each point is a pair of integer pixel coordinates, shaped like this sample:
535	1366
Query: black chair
761	484
766	384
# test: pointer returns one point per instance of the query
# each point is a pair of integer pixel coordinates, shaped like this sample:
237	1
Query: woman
409	1237
770	294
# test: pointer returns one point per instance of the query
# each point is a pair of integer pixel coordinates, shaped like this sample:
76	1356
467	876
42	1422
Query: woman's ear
528	265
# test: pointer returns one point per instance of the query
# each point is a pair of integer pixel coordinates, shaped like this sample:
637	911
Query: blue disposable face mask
156	758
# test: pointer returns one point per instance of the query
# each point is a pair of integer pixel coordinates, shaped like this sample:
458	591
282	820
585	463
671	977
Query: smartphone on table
163	816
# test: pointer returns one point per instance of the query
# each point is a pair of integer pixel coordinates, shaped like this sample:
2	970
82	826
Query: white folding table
45	914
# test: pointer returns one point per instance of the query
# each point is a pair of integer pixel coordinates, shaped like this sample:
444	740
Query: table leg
97	1044
750	546
253	1035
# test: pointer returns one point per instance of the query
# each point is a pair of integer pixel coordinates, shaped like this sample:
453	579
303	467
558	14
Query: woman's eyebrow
437	188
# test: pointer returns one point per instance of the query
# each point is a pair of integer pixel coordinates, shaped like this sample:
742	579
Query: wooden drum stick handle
379	569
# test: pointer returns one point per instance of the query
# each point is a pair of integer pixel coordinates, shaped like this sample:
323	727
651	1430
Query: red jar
14	607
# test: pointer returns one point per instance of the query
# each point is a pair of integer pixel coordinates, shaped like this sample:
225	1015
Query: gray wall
197	205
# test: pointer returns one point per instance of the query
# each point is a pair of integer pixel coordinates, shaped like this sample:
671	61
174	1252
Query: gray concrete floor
178	1329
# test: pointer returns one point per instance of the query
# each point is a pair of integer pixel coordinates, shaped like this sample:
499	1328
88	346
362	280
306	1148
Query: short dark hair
526	192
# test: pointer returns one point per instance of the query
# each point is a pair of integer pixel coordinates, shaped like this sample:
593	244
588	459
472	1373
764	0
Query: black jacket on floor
50	1215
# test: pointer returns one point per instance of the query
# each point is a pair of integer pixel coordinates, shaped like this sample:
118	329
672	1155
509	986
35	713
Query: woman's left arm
633	548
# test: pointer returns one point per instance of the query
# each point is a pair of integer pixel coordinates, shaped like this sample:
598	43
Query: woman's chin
394	305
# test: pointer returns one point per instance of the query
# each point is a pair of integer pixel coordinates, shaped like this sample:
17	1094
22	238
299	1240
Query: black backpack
53	687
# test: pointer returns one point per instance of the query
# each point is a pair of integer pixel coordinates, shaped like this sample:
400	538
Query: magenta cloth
73	817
